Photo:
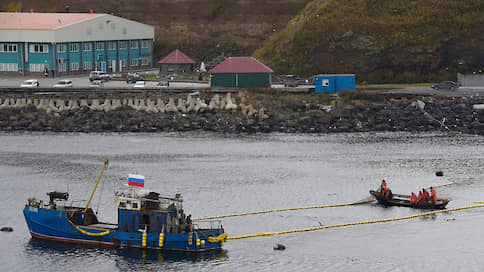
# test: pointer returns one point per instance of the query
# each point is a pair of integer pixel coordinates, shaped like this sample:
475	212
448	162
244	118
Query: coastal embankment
245	111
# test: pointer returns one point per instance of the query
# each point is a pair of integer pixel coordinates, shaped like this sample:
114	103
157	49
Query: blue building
334	83
73	43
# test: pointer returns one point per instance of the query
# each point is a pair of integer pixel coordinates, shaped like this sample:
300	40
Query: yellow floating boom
286	209
96	234
353	223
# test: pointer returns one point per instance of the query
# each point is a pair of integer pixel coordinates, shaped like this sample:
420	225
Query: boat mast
94	190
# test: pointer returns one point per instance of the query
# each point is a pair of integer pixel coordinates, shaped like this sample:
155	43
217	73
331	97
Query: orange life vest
434	196
413	199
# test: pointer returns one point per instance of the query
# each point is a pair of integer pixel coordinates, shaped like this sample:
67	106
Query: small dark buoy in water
6	229
439	173
279	247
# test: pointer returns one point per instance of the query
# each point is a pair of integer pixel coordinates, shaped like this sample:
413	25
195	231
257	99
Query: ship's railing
59	203
73	202
207	224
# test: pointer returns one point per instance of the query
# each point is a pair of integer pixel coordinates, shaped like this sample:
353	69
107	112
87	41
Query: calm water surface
228	174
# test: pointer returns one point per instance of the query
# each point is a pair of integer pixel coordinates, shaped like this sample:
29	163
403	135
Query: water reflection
51	250
136	255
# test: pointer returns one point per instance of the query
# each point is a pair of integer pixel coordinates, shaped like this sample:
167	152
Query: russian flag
136	180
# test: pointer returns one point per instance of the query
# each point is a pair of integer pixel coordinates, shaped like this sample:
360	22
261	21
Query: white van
98	75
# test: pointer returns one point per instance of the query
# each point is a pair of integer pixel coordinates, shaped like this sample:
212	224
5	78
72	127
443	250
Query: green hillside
381	40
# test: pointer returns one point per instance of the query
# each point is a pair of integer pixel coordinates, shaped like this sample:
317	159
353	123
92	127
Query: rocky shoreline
245	112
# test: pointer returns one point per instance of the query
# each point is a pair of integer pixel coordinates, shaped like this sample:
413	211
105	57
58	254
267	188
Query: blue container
334	83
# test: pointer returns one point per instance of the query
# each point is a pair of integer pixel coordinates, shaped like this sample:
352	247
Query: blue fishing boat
145	220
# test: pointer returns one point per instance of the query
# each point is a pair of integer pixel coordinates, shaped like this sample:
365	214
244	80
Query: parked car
30	83
139	84
291	77
291	80
98	75
163	84
132	78
449	85
63	83
97	84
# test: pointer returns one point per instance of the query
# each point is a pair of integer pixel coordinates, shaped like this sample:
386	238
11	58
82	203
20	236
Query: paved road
83	81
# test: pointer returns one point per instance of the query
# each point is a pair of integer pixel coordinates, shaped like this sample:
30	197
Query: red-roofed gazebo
176	62
241	72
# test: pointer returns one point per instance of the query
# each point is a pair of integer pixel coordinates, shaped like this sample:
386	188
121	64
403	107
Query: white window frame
144	44
63	67
112	46
124	63
133	62
39	48
123	45
145	61
87	47
99	46
38	67
8	48
61	48
74	66
62	64
8	67
74	47
133	44
87	66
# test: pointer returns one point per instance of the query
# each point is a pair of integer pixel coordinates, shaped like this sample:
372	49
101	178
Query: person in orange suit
384	191
413	199
420	197
434	195
426	196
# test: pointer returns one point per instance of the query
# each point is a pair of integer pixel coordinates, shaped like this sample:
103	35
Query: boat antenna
106	162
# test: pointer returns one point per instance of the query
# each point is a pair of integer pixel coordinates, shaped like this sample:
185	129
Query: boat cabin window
122	204
134	205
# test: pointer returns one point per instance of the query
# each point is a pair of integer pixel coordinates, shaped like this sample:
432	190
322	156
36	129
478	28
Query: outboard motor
57	195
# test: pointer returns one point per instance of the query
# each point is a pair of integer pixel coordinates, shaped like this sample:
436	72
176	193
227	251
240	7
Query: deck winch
57	195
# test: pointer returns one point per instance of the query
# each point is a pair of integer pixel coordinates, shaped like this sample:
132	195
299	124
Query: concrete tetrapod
170	107
160	105
230	105
181	105
84	103
72	105
95	105
214	103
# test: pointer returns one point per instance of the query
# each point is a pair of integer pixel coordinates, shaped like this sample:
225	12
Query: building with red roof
241	72
73	43
176	62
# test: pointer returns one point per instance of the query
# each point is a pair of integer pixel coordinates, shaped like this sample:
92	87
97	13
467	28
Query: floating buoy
279	247
439	173
6	229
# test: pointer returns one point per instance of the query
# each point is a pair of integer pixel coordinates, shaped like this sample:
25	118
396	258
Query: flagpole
135	181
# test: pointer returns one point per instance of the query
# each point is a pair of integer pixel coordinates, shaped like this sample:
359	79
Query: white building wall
106	27
101	28
15	35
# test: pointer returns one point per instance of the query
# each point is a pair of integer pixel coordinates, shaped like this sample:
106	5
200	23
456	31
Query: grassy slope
381	40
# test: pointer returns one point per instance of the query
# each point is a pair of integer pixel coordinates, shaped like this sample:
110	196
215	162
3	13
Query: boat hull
53	225
404	201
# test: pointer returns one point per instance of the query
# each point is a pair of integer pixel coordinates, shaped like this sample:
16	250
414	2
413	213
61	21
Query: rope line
286	209
353	223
